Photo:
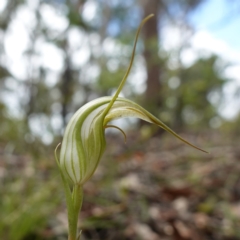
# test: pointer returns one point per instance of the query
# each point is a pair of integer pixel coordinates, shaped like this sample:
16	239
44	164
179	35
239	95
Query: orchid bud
84	138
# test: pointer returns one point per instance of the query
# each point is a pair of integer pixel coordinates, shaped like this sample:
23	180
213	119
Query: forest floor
154	189
162	189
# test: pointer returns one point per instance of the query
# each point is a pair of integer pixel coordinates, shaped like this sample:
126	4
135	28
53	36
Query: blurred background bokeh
56	55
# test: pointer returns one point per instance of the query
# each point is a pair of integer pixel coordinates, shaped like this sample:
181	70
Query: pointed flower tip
150	15
200	149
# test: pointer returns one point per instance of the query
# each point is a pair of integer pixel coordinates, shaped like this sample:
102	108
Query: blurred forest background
56	55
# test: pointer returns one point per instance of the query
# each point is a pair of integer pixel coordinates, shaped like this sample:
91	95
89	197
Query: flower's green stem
73	211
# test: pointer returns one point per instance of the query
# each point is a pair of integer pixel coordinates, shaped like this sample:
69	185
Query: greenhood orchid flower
84	140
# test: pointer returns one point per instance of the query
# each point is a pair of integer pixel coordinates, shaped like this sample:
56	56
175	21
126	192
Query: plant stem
73	211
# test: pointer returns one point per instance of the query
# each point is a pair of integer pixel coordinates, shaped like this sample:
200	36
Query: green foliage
195	93
26	205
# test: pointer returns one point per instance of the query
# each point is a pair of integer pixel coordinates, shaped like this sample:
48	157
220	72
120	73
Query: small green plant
84	142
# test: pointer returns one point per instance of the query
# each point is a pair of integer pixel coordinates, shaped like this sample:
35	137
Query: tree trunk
66	89
153	63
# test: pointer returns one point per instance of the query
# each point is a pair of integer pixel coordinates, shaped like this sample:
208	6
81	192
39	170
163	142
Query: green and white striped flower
84	139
